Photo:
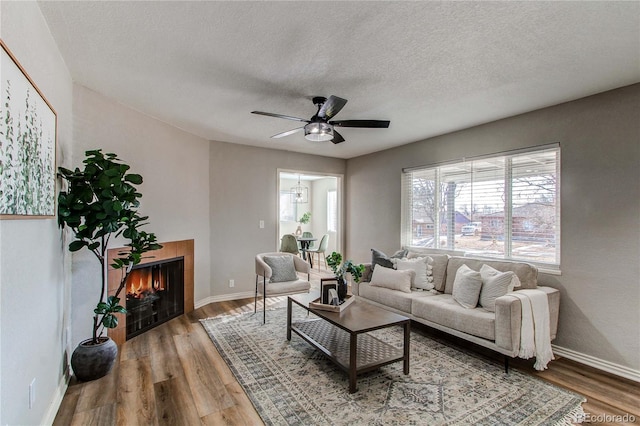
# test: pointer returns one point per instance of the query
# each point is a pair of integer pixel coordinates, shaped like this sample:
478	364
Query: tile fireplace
158	289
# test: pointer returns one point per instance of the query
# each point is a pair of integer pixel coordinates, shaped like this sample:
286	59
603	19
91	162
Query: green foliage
108	309
305	218
334	260
101	201
26	159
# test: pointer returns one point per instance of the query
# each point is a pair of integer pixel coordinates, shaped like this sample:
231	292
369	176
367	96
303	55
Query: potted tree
99	202
334	260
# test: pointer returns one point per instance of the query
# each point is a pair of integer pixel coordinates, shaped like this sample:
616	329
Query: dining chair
307	234
289	244
322	248
277	277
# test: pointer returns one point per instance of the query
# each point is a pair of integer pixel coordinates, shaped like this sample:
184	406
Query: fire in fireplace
155	294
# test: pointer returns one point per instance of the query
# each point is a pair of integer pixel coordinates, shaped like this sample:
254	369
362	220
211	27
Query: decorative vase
299	230
90	362
342	288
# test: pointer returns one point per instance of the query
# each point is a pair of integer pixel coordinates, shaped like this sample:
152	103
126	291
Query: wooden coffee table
342	336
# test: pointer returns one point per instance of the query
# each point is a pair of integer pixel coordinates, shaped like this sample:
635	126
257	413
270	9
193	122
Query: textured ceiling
429	67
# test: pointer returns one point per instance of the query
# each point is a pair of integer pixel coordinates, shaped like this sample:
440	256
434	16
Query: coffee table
342	336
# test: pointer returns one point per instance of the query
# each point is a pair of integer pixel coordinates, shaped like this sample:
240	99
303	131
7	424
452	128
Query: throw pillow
466	287
494	285
379	258
438	264
391	279
422	278
282	268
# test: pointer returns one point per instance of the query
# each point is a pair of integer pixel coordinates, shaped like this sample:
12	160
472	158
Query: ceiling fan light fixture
318	132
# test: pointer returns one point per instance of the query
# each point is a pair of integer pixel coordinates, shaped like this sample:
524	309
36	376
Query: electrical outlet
262	224
32	393
232	283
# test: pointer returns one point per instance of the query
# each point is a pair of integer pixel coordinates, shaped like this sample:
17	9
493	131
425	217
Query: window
504	206
288	207
332	211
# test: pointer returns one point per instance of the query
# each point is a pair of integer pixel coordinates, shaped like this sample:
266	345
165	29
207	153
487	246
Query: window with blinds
505	206
332	211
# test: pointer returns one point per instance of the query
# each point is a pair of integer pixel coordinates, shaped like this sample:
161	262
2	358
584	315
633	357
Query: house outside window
503	206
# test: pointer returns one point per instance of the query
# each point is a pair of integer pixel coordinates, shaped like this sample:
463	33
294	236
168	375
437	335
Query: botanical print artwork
27	144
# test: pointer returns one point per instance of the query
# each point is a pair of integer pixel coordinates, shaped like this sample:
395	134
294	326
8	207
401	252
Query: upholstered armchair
279	272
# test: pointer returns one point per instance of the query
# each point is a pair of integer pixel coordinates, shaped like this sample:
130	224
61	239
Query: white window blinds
504	206
332	211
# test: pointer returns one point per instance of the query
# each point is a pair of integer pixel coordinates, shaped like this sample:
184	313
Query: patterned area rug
290	383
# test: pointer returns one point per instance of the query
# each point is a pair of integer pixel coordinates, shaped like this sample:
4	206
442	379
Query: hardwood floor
173	375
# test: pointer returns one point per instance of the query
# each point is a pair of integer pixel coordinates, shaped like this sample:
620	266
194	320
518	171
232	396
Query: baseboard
224	298
51	413
600	364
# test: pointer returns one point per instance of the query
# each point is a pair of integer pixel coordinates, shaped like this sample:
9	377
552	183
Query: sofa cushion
494	285
422	277
528	274
392	279
398	300
466	287
443	310
282	268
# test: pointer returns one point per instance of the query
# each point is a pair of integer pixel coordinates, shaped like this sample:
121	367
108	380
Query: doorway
318	194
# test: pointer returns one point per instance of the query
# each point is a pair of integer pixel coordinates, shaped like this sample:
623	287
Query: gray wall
175	192
34	279
600	150
243	192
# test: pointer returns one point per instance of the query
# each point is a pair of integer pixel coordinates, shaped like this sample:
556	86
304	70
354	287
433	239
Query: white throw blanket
535	333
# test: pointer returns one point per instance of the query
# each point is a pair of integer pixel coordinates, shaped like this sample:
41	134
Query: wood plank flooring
173	375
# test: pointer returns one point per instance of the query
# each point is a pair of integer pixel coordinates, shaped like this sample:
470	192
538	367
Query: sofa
498	331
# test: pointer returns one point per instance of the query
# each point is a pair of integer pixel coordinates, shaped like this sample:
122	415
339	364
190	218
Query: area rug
290	383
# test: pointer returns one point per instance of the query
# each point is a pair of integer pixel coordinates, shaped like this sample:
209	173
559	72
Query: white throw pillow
421	279
466	287
391	279
495	284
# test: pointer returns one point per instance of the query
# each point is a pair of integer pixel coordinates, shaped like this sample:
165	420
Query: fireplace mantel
169	250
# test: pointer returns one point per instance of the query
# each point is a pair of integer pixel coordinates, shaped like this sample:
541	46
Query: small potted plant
99	202
334	260
305	219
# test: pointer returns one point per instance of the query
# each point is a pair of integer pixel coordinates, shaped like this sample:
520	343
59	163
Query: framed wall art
28	129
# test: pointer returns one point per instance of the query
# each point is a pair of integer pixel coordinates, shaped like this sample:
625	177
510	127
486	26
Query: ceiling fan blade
287	133
377	124
286	117
337	137
331	107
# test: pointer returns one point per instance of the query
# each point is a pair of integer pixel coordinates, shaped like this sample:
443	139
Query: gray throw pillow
466	287
282	268
379	258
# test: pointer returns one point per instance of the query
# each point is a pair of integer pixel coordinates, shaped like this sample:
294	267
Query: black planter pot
90	362
342	288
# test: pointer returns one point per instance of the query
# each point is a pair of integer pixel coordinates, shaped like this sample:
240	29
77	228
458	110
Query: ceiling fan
319	128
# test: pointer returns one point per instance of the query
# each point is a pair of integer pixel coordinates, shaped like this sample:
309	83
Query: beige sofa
499	330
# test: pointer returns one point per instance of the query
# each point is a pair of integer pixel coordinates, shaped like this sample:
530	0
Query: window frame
407	191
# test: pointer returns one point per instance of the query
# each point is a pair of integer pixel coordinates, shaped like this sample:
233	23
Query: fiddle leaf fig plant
99	202
334	260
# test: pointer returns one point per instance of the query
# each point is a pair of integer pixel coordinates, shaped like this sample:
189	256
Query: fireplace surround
172	251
